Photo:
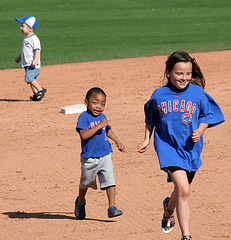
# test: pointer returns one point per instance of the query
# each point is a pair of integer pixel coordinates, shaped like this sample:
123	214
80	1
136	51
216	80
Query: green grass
90	30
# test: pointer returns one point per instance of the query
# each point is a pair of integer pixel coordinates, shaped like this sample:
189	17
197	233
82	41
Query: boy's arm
85	134
114	138
36	57
142	147
18	59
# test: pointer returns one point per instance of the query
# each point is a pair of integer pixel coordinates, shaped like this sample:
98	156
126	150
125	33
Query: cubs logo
187	118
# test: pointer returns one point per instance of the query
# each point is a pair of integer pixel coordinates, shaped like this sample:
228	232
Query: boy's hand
120	146
34	63
17	60
103	123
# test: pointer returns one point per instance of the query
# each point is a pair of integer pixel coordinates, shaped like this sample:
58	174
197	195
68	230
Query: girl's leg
168	220
182	195
111	191
171	204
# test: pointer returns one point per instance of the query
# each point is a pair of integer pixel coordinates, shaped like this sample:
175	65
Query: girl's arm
36	57
114	138
85	134
142	147
196	134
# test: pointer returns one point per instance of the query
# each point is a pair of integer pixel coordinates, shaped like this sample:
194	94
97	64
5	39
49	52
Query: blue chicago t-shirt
97	145
175	114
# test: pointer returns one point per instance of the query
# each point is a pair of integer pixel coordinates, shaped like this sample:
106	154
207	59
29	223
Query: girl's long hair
180	56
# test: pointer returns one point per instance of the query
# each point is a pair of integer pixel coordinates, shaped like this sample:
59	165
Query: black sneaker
79	210
33	98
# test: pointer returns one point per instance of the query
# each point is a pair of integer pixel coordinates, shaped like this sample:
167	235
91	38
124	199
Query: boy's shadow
14	100
48	215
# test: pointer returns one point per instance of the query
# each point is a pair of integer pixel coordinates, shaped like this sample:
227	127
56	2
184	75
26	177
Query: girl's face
181	74
26	29
96	103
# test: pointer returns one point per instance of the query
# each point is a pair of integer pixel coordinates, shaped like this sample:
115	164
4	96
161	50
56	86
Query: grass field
77	31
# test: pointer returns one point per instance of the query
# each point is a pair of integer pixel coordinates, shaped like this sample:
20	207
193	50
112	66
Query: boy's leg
111	191
80	203
35	87
112	210
38	91
34	90
181	195
82	193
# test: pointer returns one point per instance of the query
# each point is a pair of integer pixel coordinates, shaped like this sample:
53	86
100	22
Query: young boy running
93	129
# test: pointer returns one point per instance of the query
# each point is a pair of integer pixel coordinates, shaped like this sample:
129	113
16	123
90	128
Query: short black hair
94	90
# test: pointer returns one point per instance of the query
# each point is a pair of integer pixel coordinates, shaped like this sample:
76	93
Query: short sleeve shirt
175	115
97	145
29	46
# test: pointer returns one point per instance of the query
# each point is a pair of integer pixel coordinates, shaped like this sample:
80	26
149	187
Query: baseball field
120	49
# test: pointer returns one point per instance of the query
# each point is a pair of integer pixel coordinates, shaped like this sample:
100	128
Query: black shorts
170	170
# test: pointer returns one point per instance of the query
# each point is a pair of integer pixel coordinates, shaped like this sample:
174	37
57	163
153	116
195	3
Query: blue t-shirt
97	145
175	114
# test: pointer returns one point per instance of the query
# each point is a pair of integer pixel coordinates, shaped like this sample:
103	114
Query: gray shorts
31	74
91	167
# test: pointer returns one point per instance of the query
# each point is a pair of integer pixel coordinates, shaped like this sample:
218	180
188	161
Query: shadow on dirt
14	100
49	215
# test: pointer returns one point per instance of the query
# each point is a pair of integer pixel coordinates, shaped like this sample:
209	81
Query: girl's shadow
48	215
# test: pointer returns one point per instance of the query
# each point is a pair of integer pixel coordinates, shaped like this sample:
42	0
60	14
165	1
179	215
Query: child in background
93	129
180	112
30	56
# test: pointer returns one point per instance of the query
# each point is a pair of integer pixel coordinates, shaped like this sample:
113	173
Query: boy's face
26	29
96	104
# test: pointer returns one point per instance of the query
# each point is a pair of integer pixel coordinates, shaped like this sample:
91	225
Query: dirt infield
40	167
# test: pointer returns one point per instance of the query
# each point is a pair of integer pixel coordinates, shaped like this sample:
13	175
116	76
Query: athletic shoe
114	212
79	210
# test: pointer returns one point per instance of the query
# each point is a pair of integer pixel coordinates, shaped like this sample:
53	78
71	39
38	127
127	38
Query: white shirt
29	46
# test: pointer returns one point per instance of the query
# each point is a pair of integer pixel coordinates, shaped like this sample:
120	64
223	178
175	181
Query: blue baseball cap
29	20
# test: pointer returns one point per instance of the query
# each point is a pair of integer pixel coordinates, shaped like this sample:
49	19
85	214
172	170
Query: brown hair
180	56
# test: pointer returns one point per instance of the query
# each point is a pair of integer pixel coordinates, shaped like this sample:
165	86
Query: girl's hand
142	147
196	135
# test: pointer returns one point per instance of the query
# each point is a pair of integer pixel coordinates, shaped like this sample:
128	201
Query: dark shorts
170	170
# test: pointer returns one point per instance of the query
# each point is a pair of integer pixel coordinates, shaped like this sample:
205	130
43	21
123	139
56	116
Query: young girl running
180	112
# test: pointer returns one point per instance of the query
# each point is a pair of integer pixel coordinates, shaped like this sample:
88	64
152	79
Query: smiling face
96	103
180	75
